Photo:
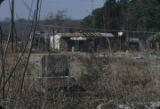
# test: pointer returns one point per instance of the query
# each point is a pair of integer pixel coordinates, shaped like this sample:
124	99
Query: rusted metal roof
70	34
97	35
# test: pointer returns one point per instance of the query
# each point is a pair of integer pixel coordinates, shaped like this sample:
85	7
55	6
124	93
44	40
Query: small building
80	41
136	43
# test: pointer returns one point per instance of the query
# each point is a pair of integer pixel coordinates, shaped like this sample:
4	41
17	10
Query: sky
75	9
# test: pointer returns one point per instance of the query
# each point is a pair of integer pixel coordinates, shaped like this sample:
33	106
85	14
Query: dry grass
120	78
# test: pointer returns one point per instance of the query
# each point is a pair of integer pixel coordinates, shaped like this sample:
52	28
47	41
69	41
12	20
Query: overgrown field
103	81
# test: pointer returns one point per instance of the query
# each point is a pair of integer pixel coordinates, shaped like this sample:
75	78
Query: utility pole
104	16
93	17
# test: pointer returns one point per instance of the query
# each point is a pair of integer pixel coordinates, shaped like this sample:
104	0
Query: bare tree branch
12	23
33	35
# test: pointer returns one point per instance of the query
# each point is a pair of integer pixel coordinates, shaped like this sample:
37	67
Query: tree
111	14
106	17
1	1
144	15
87	22
126	14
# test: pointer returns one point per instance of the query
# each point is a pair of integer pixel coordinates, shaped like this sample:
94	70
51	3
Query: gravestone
54	65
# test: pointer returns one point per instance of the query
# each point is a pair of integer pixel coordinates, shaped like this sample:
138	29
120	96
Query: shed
80	41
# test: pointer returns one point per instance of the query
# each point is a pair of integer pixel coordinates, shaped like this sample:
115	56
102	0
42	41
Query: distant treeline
58	22
142	15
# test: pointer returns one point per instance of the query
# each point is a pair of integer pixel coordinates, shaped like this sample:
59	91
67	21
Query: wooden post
109	44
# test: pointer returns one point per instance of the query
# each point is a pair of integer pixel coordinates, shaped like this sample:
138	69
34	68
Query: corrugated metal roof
97	35
107	34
